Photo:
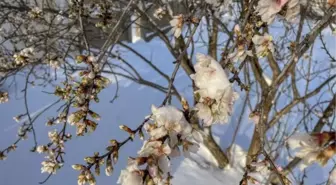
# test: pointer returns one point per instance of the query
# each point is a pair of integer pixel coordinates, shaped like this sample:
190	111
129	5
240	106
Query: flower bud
78	167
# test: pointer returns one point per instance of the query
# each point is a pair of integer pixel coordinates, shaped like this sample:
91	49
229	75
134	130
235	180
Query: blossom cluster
168	132
261	173
54	151
24	56
268	9
316	147
215	93
82	92
241	52
263	44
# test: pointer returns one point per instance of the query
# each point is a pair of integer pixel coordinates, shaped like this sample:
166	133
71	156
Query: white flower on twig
216	96
170	121
129	177
239	55
263	44
177	24
268	9
312	147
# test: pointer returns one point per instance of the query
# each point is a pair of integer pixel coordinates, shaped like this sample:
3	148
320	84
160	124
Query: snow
130	109
201	173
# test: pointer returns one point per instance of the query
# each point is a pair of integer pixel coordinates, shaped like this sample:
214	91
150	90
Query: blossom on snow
216	96
170	121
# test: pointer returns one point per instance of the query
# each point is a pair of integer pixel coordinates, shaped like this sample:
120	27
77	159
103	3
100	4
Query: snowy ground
23	167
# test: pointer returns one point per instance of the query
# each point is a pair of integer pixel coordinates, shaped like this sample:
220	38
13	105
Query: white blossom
50	167
128	177
71	119
24	56
210	76
239	55
177	24
170	121
263	44
41	149
215	91
154	148
293	9
53	136
268	9
307	147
